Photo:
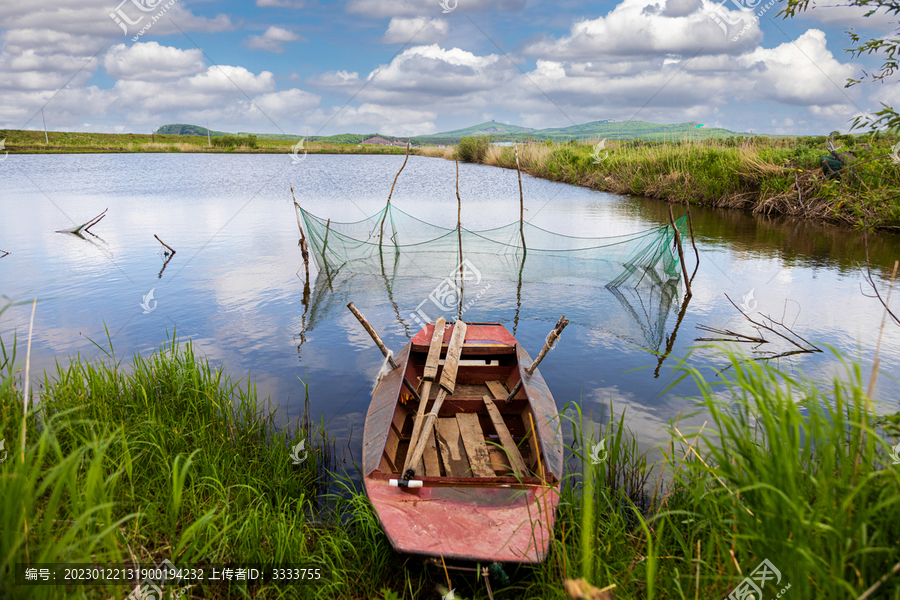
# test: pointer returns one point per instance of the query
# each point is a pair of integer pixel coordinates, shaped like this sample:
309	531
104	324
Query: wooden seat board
453	454
473	440
506	439
497	389
430	457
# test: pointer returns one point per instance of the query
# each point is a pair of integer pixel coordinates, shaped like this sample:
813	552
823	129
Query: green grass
168	458
765	176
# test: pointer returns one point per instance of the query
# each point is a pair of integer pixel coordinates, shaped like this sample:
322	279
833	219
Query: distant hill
503	132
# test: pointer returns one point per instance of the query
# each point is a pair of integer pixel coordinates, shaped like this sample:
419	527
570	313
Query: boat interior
477	433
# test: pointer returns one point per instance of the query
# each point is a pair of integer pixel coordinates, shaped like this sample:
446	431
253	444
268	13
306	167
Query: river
235	285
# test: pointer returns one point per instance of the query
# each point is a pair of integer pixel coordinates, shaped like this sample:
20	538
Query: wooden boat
476	502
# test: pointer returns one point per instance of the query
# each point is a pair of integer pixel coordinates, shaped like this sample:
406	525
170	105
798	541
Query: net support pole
325	243
303	249
384	216
687	282
693	243
521	203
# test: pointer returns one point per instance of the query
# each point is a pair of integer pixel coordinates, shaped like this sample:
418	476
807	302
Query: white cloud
416	8
272	39
635	28
151	62
282	3
420	30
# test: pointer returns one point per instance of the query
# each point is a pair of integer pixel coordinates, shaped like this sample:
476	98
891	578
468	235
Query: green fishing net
625	285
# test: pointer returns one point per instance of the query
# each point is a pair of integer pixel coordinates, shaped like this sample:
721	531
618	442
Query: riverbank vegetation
168	458
34	142
762	175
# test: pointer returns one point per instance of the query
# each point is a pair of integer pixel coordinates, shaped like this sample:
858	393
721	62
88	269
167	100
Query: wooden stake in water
303	249
687	282
521	203
384	216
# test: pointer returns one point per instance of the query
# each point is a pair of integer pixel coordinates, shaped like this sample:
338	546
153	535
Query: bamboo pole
554	335
46	139
381	234
302	243
164	244
521	203
687	282
325	244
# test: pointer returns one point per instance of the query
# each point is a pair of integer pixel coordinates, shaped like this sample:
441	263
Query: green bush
230	141
472	149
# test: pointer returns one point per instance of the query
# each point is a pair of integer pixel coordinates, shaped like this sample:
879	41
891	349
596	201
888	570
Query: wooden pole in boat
164	244
687	282
428	377
371	331
554	335
302	243
448	384
381	235
521	203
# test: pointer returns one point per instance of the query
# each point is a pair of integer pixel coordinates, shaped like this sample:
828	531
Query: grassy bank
761	175
33	142
167	458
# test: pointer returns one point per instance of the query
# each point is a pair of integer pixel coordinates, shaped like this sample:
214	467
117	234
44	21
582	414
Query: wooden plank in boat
473	440
452	452
497	389
499	461
506	439
430	457
390	449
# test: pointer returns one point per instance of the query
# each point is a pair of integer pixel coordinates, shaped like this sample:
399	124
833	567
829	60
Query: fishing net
392	241
625	285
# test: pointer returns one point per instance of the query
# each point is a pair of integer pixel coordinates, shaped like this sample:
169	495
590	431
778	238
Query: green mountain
502	132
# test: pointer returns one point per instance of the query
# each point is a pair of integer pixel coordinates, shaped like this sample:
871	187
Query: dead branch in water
5	253
778	328
302	243
85	226
867	275
172	250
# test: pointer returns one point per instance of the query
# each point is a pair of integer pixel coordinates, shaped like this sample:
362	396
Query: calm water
233	285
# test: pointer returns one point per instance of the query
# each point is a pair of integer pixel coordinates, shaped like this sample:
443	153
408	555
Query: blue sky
407	67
